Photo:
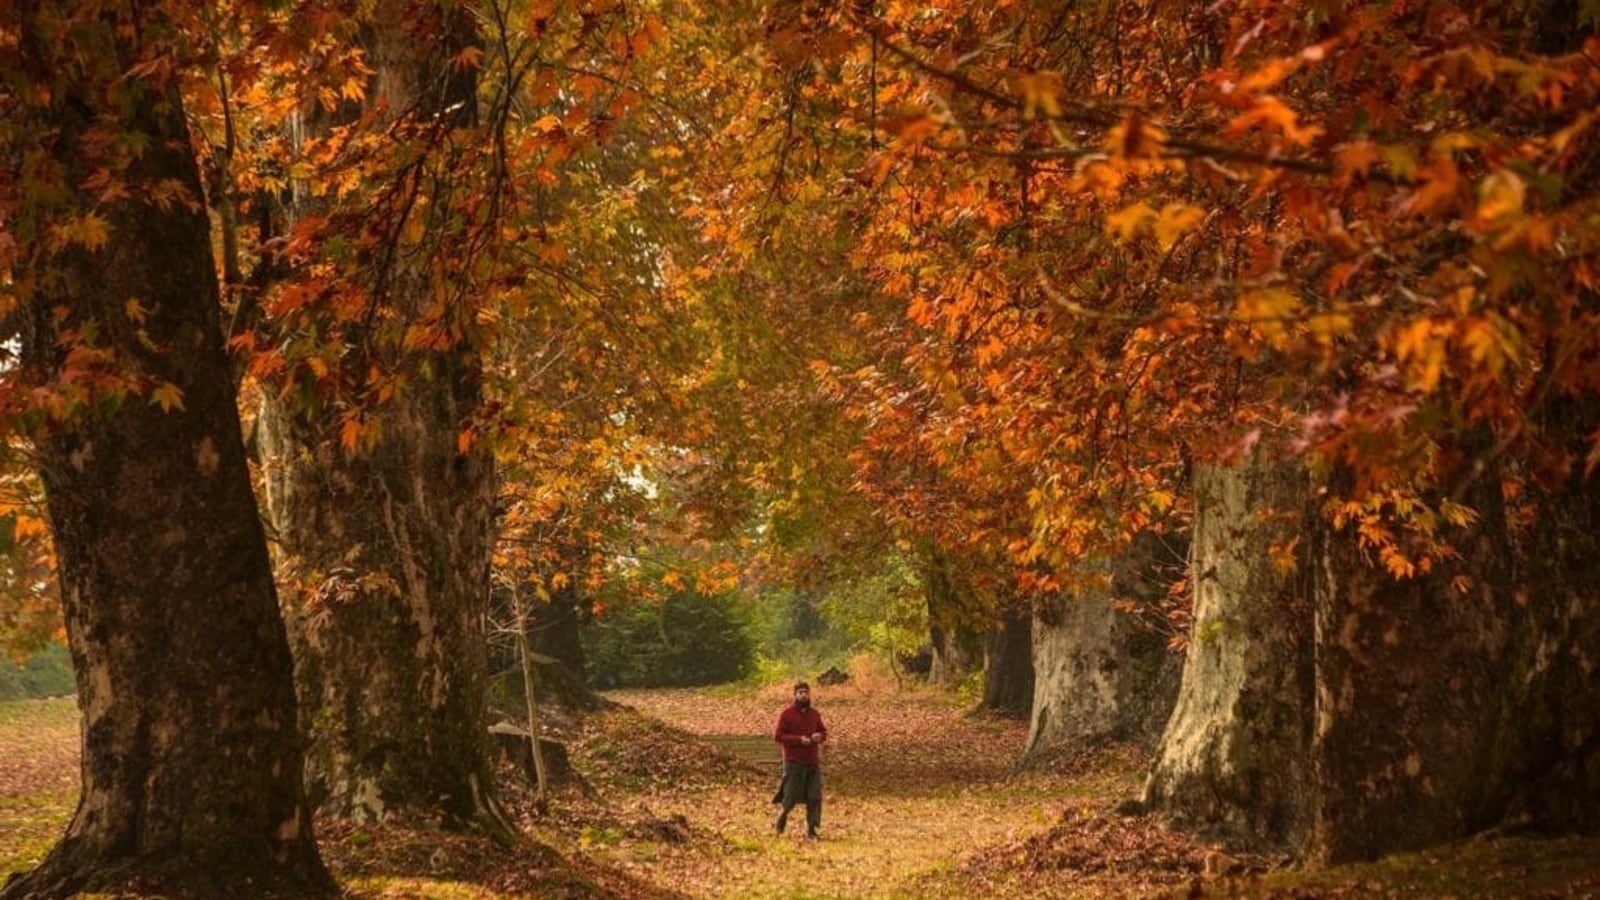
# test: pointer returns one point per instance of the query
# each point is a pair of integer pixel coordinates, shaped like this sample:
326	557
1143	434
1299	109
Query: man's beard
802	703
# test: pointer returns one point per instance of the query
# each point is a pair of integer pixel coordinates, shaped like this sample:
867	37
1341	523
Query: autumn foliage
753	294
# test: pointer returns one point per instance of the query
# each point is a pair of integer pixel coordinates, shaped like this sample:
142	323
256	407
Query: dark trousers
802	783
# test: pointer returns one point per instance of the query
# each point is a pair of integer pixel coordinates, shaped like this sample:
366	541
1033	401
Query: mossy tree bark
387	547
1407	696
1464	699
1331	710
1234	758
1101	674
191	767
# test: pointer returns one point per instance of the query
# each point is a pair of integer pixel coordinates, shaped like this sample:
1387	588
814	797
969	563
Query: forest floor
922	801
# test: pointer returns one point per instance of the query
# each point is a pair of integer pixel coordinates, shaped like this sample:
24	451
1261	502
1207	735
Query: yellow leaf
1174	221
1329	326
1501	196
168	396
1125	223
1400	160
1492	341
1456	514
1269	311
1283	556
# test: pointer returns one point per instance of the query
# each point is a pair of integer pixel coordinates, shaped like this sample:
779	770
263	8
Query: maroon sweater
793	724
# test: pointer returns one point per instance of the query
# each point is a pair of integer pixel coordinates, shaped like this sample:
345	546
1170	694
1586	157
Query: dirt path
912	788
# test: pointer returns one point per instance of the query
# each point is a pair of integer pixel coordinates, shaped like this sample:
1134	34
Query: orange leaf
1174	221
27	526
350	433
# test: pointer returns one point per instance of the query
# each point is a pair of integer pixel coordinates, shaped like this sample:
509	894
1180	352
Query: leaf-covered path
913	788
921	802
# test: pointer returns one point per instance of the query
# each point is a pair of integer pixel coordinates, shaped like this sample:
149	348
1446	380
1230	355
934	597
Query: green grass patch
38	741
29	827
55	712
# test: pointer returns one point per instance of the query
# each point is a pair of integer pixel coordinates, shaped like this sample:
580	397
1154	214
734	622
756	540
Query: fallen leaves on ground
673	802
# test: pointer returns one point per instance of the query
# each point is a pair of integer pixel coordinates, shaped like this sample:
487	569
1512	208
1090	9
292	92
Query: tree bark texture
1463	699
1552	711
1008	664
1234	758
1408	680
191	766
1342	714
390	550
387	547
553	629
1101	674
954	646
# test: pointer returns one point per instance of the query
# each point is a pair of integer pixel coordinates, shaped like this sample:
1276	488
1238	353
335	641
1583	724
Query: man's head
802	694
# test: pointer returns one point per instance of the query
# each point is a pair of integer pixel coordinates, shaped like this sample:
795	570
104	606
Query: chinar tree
380	492
191	774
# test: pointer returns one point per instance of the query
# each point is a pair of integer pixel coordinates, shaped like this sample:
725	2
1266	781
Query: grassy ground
672	801
38	778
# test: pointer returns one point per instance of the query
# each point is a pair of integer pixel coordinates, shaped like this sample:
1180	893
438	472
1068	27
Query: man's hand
804	739
816	738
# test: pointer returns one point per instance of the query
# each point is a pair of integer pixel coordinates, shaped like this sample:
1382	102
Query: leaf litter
671	800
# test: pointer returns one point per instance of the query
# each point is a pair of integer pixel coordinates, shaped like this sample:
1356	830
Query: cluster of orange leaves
1091	246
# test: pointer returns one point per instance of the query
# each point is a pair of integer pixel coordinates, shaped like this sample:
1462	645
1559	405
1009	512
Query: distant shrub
687	640
47	674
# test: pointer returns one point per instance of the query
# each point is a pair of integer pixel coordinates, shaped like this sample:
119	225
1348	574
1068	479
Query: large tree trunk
1409	680
1464	698
1008	664
1101	674
191	778
391	550
551	632
1233	761
553	629
388	546
954	647
1552	768
1337	712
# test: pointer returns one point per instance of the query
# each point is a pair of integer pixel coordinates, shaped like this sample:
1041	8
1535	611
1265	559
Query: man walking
800	731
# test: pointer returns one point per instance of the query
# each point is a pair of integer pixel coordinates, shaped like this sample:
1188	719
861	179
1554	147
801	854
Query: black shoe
777	827
813	836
